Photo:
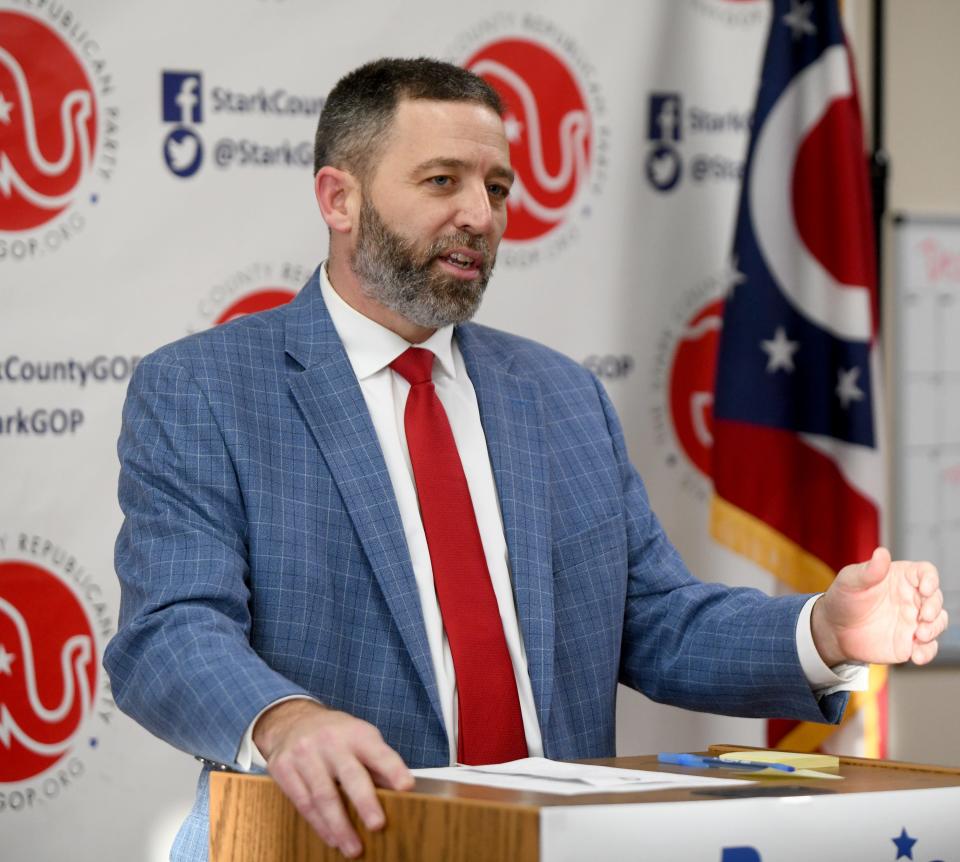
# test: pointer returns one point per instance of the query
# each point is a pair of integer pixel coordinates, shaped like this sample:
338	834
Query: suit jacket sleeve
181	664
705	646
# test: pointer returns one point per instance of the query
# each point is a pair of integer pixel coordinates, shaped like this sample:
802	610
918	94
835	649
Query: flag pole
879	157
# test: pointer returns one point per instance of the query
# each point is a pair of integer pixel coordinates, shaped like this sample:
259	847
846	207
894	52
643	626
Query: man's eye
441	181
498	190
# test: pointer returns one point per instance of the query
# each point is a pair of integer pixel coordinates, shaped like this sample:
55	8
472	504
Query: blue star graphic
94	742
904	844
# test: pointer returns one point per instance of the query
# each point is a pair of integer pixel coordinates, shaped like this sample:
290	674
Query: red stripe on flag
777	729
798	491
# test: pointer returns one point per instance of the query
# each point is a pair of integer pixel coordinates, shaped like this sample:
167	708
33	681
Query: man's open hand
880	612
310	749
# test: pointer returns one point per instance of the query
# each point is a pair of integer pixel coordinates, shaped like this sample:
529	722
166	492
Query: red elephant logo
48	669
48	123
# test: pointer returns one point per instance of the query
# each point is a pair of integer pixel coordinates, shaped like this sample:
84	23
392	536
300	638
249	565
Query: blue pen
701	762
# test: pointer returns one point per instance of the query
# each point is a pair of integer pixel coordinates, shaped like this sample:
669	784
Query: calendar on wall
926	388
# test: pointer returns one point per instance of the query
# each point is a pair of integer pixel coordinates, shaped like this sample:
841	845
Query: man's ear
338	197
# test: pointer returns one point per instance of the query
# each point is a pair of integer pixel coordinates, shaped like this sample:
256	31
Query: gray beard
392	272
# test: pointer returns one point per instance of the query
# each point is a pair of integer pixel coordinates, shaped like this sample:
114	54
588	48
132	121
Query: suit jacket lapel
327	392
511	411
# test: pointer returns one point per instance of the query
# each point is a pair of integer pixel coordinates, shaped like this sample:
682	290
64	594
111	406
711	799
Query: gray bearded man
362	534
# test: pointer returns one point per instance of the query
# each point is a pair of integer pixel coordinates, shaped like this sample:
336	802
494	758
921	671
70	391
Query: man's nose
474	213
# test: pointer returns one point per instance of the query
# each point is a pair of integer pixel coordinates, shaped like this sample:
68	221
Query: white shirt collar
371	347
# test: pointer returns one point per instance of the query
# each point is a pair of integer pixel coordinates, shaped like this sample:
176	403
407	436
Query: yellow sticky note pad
806	765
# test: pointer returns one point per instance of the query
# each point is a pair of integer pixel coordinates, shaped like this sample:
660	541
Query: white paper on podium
539	775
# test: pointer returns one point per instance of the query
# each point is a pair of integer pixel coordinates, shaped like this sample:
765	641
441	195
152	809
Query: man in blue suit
282	600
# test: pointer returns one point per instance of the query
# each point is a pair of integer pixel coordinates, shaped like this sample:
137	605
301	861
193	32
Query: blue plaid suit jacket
262	553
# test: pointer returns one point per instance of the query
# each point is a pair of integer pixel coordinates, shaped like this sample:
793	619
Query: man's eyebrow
501	171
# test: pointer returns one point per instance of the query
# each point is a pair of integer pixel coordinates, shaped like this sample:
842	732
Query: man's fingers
931	607
358	787
927	632
929	579
306	779
295	787
329	817
877	567
924	653
311	747
860	576
388	768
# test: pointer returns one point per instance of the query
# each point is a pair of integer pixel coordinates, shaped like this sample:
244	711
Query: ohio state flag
797	467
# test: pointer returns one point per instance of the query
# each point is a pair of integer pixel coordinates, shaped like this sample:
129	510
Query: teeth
460	259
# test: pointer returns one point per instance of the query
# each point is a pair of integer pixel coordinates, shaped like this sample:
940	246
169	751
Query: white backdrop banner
155	180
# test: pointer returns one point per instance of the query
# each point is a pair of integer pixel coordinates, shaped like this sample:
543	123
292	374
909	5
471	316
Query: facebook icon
182	98
663	120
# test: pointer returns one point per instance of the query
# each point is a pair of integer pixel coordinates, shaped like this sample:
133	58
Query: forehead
424	129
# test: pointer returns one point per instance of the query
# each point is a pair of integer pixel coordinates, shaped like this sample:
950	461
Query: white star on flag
5	109
513	128
779	350
6	659
847	389
798	19
730	277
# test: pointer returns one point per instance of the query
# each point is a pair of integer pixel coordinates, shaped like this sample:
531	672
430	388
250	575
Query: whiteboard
926	491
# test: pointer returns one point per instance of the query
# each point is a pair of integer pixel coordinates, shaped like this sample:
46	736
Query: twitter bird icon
183	151
663	167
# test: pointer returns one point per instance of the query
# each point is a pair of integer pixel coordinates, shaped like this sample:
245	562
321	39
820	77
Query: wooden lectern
880	811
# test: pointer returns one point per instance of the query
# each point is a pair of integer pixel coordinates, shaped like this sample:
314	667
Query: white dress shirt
370	349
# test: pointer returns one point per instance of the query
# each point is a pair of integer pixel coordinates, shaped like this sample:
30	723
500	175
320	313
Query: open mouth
462	260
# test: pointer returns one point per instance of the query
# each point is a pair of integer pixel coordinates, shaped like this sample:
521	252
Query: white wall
921	127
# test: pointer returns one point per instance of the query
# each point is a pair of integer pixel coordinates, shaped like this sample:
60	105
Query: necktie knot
415	365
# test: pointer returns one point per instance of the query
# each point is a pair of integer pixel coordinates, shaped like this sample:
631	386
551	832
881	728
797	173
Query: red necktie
491	727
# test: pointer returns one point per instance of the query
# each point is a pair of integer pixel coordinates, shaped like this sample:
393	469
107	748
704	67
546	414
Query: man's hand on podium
881	612
310	749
